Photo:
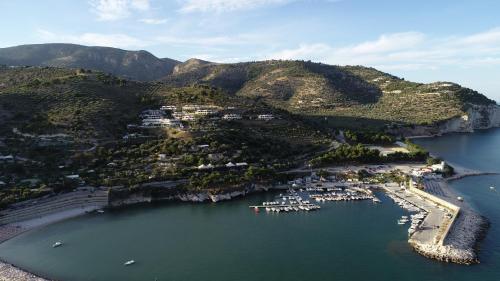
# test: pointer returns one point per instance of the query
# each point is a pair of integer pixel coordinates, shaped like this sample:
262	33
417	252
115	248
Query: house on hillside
6	159
265	117
231	117
171	108
161	123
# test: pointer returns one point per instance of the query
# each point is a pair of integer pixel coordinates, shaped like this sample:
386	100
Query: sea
229	241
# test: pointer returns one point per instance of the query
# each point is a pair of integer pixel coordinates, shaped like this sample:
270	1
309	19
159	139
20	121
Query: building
438	167
188	117
205	112
191	107
265	117
231	117
172	108
152	114
6	159
161	123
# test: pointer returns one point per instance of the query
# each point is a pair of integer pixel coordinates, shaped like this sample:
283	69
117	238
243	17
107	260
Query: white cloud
240	39
94	39
110	10
153	21
142	5
219	6
406	51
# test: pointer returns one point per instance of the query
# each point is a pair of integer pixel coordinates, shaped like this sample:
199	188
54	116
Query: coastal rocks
461	244
226	196
12	273
196	197
132	199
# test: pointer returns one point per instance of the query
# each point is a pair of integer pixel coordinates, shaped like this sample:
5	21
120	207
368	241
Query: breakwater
449	232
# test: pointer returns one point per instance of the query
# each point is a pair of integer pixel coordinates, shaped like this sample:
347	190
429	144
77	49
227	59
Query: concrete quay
450	230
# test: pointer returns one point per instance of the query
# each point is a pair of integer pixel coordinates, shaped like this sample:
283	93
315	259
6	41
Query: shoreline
9	272
440	253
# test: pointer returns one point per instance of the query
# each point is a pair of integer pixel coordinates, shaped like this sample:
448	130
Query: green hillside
345	92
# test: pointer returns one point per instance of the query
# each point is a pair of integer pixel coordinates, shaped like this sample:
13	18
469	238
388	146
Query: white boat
57	244
100	211
492	187
130	262
460	199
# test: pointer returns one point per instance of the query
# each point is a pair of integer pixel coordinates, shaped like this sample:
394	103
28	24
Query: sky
422	41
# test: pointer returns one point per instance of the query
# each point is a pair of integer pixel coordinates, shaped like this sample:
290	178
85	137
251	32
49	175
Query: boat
130	262
57	244
100	211
492	187
460	199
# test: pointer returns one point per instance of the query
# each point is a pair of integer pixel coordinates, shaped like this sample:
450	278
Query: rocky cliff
476	117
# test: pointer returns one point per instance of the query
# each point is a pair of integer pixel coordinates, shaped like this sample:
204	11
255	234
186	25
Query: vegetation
368	137
359	154
59	122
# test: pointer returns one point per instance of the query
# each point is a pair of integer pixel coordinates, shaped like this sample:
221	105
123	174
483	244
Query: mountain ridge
137	65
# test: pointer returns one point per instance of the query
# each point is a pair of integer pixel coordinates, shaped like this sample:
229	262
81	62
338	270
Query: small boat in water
130	262
57	244
492	187
460	199
100	211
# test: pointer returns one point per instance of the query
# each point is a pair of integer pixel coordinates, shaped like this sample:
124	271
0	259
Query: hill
345	92
136	65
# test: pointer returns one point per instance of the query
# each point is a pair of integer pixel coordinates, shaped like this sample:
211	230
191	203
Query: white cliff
476	117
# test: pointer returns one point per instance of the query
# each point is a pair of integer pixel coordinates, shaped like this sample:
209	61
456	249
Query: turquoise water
228	241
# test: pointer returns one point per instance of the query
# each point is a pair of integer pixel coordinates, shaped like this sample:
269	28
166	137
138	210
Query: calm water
228	241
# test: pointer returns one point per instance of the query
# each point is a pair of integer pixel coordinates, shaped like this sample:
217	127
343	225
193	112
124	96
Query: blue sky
424	41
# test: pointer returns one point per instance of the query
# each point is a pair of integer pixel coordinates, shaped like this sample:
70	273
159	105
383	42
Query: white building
266	117
231	117
152	114
191	107
172	108
205	112
438	167
7	158
161	123
188	117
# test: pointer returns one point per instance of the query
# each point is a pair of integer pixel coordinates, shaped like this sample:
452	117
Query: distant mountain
190	66
136	65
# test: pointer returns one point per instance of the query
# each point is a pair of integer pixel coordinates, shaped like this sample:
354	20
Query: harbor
308	196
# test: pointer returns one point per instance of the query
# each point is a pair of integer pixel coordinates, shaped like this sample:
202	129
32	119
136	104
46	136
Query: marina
301	198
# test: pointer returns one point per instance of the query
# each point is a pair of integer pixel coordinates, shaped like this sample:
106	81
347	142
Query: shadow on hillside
345	122
351	87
